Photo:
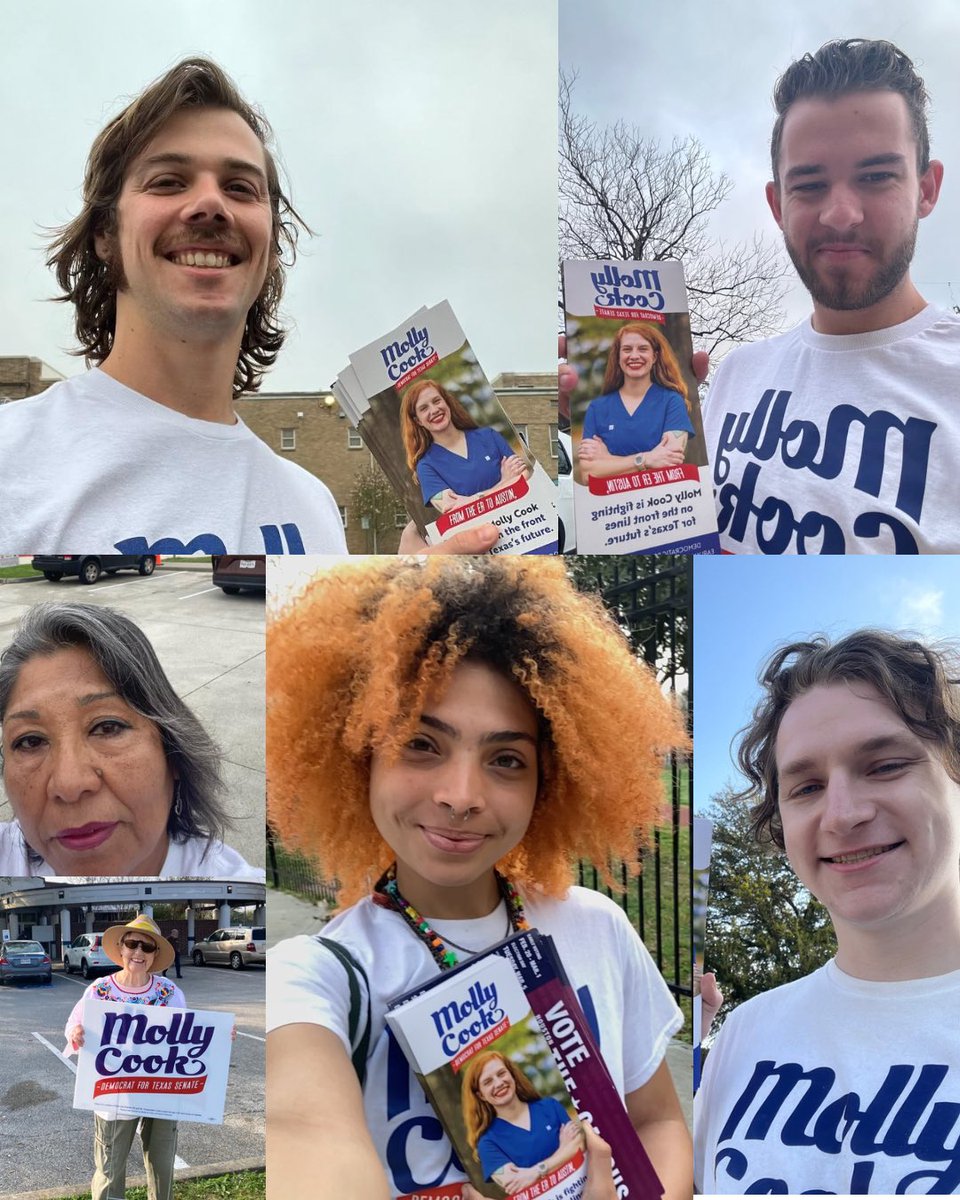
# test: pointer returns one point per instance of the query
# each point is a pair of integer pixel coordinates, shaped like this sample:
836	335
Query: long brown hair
417	440
666	369
91	284
479	1114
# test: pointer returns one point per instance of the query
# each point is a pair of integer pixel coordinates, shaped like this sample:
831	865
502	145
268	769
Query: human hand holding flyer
140	1060
640	484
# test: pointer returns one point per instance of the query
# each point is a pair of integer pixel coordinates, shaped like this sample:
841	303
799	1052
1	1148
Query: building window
522	434
400	518
554	439
343	514
288	439
354	440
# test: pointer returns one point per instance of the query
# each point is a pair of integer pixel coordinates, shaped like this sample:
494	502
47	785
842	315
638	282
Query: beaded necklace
387	895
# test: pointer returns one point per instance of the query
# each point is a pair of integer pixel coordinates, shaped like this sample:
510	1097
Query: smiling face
496	1084
431	410
474	756
637	356
86	776
871	820
137	961
849	198
194	239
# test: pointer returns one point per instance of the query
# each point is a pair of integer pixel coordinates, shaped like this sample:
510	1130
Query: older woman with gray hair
107	771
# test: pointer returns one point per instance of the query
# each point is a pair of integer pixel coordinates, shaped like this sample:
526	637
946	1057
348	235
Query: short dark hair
919	682
122	652
852	65
90	284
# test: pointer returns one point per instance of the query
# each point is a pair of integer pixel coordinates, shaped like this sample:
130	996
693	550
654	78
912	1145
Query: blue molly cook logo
138	1055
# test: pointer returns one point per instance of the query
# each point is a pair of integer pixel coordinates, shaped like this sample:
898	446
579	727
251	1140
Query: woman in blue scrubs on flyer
453	458
517	1135
642	421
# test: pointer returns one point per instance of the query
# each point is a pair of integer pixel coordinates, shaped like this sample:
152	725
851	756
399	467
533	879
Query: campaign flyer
641	478
144	1060
505	1054
427	412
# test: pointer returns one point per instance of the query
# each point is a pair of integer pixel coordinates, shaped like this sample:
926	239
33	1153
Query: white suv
86	955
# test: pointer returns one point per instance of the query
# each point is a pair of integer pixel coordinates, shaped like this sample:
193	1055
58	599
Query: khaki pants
111	1149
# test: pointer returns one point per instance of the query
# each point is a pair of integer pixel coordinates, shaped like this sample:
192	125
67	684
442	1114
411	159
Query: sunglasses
136	944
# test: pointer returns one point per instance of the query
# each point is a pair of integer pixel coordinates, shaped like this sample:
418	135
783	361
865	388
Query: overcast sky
419	140
709	70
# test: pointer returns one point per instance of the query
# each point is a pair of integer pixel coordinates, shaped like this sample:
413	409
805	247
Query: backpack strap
354	969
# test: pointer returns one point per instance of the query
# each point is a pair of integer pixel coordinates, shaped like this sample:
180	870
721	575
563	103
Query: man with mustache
174	267
838	437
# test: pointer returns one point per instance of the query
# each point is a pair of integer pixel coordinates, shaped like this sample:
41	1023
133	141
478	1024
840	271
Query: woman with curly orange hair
453	458
642	420
447	737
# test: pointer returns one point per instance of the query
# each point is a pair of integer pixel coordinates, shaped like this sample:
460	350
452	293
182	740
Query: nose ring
455	816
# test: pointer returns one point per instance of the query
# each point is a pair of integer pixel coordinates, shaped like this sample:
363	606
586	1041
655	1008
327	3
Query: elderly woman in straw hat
142	953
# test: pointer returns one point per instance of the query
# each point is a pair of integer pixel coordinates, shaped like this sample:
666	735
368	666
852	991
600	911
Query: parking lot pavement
46	1143
211	646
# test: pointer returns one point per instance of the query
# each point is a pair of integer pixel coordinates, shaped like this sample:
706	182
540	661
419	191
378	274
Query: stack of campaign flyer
641	483
423	406
507	1058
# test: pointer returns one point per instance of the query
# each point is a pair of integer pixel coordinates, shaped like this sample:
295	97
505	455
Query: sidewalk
288	916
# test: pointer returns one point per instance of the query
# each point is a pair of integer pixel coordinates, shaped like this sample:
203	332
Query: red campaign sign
480	1044
137	1084
417	370
455	517
629	314
551	1180
634	481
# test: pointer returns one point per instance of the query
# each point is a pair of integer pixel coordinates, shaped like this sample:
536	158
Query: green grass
245	1185
187	558
23	571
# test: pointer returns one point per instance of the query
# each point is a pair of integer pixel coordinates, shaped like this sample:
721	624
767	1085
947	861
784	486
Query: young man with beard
838	437
847	1081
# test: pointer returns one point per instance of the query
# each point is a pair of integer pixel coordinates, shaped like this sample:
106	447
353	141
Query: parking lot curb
205	1172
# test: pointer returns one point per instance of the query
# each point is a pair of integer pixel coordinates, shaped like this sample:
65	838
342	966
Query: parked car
86	955
91	566
234	572
24	960
238	946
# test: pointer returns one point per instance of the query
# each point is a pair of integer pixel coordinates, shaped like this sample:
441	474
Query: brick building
21	377
309	428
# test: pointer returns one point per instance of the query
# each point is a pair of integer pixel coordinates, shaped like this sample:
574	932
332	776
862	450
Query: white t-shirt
839	443
836	1085
90	465
618	985
195	858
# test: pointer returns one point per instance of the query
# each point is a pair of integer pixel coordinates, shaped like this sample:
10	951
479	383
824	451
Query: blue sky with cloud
745	606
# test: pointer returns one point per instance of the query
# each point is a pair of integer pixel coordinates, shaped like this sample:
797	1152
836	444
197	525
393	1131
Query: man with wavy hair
175	270
838	436
846	1081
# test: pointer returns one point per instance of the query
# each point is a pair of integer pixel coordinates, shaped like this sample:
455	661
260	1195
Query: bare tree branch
625	196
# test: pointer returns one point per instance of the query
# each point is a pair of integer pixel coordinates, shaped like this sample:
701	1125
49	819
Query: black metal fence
651	597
